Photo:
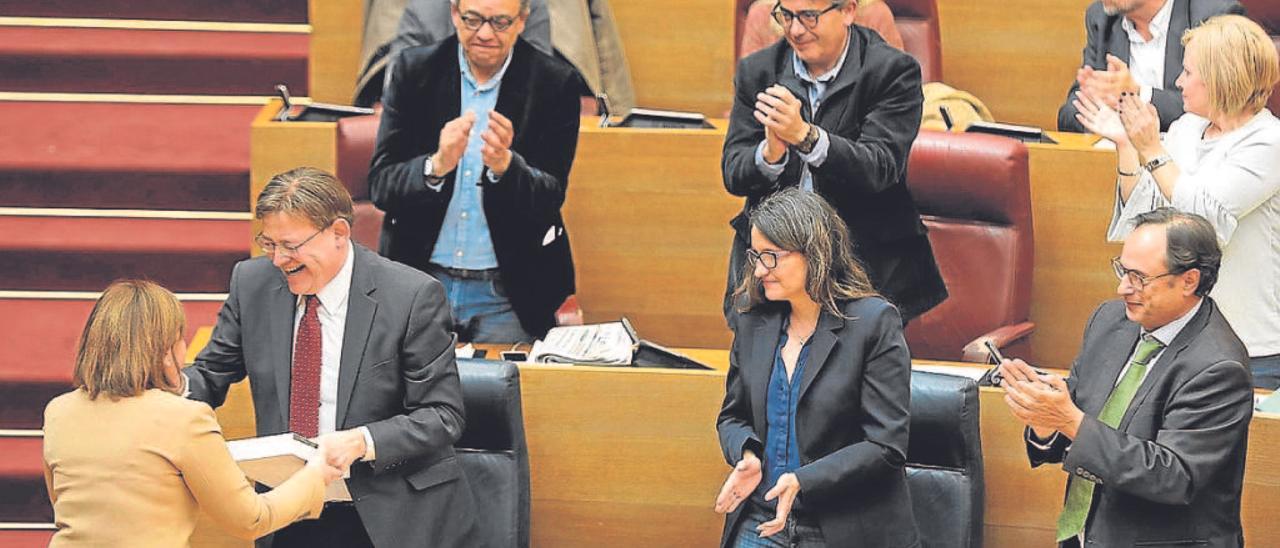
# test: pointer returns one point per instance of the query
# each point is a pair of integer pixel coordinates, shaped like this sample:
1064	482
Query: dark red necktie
304	384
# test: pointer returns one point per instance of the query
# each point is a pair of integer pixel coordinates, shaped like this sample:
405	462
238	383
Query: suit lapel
1118	42
758	365
360	311
824	339
845	80
1179	22
1115	355
1164	362
281	310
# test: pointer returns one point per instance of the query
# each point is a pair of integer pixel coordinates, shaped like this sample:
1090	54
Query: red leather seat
1267	14
357	137
974	191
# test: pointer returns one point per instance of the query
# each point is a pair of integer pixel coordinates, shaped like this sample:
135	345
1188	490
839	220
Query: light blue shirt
817	91
464	240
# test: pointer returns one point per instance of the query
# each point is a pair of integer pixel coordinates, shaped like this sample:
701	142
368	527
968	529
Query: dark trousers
339	526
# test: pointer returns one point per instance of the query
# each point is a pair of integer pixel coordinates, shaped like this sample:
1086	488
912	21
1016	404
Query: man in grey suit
344	344
1135	46
1153	422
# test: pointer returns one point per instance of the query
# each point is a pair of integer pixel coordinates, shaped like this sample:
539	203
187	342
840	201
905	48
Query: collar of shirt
334	294
1167	332
465	67
1159	25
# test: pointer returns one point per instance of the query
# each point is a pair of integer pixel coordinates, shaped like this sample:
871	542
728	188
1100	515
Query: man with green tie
1153	421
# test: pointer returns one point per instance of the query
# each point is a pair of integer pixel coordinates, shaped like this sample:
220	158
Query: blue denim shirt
781	448
464	240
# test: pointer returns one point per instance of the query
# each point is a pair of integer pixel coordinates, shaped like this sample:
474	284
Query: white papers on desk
270	460
610	343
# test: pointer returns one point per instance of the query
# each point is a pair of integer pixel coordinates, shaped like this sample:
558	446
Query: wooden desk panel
648	218
1019	58
681	52
1072	193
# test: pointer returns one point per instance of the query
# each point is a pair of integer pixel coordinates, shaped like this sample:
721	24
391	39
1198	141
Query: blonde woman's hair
1238	63
132	327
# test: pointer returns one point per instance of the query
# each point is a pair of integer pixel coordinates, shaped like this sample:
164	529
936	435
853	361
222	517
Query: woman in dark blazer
815	413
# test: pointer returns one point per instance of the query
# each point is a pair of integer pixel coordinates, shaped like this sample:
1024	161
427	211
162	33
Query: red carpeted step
75	60
23	497
87	253
37	359
125	156
25	539
256	11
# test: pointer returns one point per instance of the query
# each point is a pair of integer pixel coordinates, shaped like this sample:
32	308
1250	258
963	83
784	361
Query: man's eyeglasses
499	23
767	258
1135	278
808	18
270	247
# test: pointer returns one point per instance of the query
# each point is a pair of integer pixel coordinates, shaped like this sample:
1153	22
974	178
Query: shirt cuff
771	171
186	385
1145	93
369	453
1042	444
818	154
426	177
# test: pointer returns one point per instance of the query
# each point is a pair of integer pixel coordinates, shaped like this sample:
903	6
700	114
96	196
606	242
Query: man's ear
342	229
1190	282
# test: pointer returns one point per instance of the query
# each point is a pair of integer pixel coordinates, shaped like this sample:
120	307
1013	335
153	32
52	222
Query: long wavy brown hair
803	222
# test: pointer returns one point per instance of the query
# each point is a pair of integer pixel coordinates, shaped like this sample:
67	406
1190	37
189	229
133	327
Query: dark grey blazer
872	114
852	420
1106	35
1172	473
397	376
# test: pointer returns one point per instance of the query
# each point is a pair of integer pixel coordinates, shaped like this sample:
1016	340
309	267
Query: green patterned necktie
1080	493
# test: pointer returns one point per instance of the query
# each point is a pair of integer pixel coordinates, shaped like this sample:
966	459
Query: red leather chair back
917	22
356	138
974	192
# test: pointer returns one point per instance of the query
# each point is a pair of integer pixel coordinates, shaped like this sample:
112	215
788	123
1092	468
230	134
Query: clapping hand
1142	124
742	481
453	143
786	491
497	143
1040	400
1107	86
1100	119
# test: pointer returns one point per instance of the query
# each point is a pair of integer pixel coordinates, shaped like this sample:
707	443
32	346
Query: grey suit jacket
1106	35
398	377
1172	472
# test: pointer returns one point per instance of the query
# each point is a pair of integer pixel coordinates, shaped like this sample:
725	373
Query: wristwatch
1157	163
428	168
810	140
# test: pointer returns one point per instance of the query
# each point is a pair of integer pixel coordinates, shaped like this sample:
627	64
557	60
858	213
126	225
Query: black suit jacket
1172	472
539	94
398	377
1106	35
852	419
872	114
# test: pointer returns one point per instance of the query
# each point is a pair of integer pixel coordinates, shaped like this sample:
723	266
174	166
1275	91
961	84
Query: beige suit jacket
138	471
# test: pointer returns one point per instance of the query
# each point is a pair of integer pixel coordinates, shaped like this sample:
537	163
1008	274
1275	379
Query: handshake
336	452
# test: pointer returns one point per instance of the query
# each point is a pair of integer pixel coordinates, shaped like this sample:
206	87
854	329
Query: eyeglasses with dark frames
1135	278
808	18
270	247
767	258
499	23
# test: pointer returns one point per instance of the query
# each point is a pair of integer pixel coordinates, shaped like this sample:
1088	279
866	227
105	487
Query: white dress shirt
333	323
1146	57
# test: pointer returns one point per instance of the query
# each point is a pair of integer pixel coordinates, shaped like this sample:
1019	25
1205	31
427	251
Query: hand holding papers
270	460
